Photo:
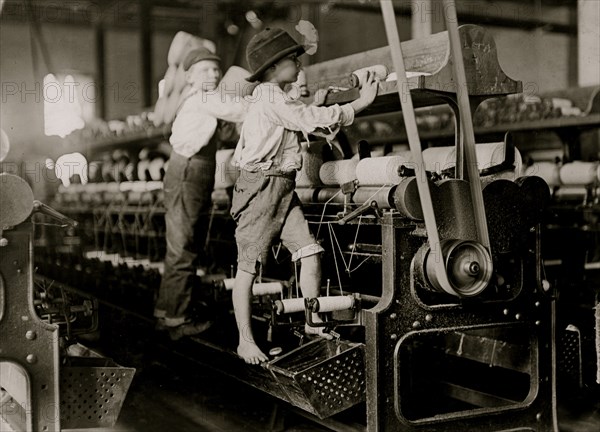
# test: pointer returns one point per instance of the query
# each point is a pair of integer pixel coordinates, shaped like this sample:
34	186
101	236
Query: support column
588	34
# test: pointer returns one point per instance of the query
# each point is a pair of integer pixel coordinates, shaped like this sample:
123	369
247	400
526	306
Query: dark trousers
188	185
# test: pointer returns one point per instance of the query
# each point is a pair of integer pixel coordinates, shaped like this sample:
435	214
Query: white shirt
272	120
196	121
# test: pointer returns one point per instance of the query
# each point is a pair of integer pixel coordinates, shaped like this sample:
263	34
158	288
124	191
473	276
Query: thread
289	305
358	77
579	173
338	172
382	170
333	303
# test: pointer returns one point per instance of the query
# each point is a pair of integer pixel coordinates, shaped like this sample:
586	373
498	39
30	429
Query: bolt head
30	335
31	358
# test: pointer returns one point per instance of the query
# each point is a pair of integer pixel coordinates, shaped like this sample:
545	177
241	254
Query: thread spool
382	170
267	288
307	195
289	305
333	303
383	197
142	170
548	171
154	186
571	193
126	186
326	194
438	159
94	171
358	77
156	169
138	186
579	173
308	175
336	173
258	289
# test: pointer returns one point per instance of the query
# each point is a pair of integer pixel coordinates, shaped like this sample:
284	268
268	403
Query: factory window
69	103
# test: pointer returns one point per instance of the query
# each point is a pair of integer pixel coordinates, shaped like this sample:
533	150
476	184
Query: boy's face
287	69
204	75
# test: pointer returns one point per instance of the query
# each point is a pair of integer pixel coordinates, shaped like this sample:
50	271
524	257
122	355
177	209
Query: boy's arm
297	116
223	106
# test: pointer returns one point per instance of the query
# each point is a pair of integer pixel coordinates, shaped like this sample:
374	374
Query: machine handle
40	207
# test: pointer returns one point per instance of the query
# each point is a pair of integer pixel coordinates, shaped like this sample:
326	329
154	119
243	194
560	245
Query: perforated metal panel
323	377
569	356
92	396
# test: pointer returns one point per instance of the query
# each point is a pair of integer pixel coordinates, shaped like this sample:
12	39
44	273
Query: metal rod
49	211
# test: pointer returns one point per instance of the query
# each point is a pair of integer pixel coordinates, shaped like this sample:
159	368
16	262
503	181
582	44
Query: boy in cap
188	185
264	203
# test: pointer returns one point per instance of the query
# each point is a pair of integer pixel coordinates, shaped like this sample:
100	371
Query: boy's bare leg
310	283
242	296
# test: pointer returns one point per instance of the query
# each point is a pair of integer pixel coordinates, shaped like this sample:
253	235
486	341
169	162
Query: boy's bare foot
251	353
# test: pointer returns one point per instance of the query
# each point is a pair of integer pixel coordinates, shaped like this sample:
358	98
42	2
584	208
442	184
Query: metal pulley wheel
468	268
16	200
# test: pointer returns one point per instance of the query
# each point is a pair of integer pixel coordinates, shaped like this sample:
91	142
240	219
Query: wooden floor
175	397
171	393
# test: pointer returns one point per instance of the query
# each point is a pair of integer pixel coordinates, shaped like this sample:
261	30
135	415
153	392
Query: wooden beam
146	42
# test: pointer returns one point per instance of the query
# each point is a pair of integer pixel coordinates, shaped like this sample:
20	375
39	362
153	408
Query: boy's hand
369	88
320	96
368	92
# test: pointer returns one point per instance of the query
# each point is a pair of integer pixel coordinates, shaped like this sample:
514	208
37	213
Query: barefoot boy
264	204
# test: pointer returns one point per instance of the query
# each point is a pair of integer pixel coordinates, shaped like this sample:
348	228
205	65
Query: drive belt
437	259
